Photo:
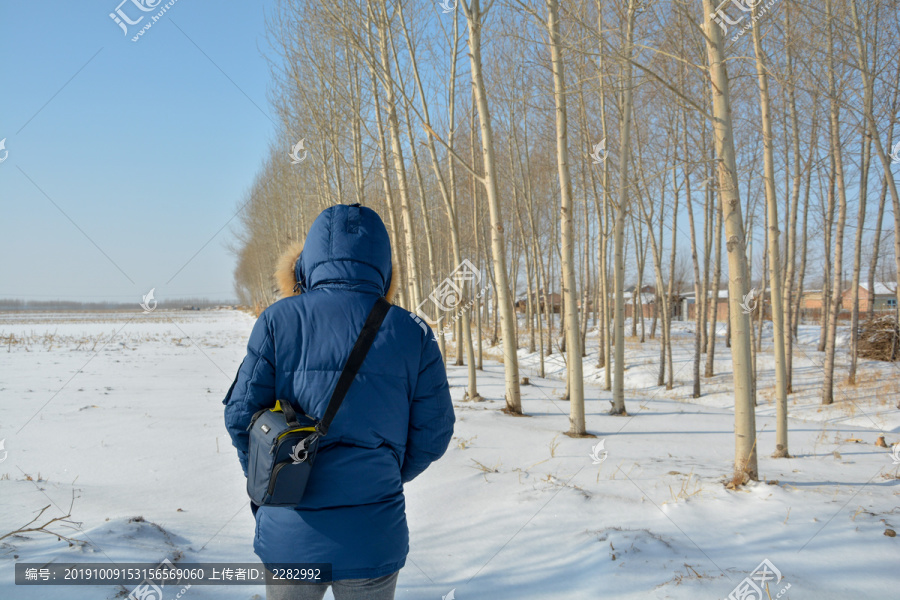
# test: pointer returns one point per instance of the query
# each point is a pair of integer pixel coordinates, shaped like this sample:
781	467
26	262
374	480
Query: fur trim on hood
285	270
286	273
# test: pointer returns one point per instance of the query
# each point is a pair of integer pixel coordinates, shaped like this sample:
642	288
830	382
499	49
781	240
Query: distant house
883	297
554	299
689	307
811	300
646	298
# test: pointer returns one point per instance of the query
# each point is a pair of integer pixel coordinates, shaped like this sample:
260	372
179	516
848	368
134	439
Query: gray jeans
380	588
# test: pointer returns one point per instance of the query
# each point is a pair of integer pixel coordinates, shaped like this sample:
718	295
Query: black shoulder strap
354	361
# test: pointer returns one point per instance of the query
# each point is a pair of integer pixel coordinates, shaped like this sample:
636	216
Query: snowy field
122	411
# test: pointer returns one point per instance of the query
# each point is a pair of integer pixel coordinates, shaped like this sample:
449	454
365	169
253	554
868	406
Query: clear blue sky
147	146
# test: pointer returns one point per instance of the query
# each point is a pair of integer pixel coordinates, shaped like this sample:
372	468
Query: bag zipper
290	431
270	490
255	416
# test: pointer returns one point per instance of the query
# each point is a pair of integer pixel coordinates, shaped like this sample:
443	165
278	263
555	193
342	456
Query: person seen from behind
396	419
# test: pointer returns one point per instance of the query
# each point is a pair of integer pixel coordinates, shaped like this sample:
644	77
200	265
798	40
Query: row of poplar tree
563	145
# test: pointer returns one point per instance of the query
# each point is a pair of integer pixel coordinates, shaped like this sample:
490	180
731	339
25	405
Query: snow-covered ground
871	403
123	411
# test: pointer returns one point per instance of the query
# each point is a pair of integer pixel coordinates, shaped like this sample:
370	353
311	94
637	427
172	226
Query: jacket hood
347	246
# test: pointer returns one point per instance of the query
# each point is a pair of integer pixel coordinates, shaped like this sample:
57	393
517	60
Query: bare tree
625	82
570	296
774	249
745	466
838	164
474	21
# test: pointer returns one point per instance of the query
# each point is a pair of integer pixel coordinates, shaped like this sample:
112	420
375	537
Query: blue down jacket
396	419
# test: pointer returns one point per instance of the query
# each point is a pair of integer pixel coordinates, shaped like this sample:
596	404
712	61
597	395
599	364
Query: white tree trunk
412	263
775	281
838	162
498	246
745	464
618	399
570	296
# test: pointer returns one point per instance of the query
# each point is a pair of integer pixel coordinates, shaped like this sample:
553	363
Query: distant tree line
15	304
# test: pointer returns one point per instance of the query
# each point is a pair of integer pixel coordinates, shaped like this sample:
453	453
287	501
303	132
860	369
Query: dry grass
64	521
684	492
553	446
92	342
679	577
484	468
887	390
48	342
766	395
557	483
464	444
